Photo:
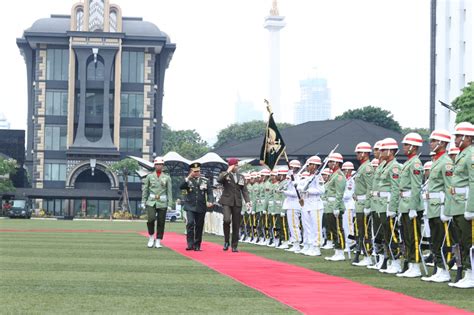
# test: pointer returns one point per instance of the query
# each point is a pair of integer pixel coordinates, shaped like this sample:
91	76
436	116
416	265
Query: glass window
56	103
95	71
54	171
55	137
131	139
113	21
133	66
79	20
57	63
132	105
104	209
96	15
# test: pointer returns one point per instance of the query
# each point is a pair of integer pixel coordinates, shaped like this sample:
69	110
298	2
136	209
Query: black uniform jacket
197	191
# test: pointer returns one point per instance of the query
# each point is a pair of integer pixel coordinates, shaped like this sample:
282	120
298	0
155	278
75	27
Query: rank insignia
416	172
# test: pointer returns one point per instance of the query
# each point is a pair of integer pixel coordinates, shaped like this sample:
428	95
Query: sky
372	52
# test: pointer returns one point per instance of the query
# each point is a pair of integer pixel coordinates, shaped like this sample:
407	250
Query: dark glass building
95	95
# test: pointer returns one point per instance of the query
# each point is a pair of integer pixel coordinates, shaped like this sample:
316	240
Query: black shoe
197	248
235	250
226	246
356	258
189	248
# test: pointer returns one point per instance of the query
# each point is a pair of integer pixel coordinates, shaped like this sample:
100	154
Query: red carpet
305	290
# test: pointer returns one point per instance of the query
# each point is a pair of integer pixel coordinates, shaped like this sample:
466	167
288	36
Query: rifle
392	236
318	174
420	250
443	248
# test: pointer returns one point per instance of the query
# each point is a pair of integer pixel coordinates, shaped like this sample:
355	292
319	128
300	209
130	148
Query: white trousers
293	217
312	227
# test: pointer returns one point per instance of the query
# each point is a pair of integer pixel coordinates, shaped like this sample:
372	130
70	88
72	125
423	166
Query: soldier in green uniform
439	181
334	192
157	199
389	193
282	222
272	210
362	195
410	208
267	194
198	197
377	211
253	195
461	206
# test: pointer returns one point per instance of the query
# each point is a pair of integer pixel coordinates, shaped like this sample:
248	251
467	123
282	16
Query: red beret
232	161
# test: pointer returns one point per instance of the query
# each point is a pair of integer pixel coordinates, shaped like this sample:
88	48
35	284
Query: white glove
336	212
444	217
469	215
249	205
252	212
391	214
169	209
283	214
412	214
425	213
399	216
366	211
142	205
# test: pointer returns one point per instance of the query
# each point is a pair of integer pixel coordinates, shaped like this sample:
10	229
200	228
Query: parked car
19	208
173	215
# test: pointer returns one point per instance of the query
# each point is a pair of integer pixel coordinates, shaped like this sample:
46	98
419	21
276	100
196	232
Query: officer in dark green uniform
156	199
198	197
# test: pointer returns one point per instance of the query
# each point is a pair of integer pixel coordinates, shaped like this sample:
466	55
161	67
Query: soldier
453	152
292	207
272	209
349	205
262	208
410	206
156	199
389	193
198	198
334	192
377	210
312	190
461	206
282	222
327	236
362	195
439	182
253	194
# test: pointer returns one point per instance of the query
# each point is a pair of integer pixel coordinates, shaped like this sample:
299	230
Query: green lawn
57	272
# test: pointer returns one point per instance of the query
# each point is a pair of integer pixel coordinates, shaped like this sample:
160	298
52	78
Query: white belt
433	195
406	194
460	190
361	197
331	199
385	194
375	193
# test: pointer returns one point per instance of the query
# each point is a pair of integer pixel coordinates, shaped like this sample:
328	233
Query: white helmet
441	135
363	147
336	157
389	144
427	165
314	160
282	171
454	150
159	160
326	171
347	166
377	145
264	172
295	163
414	139
464	128
305	174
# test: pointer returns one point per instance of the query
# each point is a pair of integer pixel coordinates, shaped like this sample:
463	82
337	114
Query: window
57	63
131	139
93	134
95	71
133	179
131	105
55	138
133	66
54	171
113	21
54	206
56	103
96	15
79	20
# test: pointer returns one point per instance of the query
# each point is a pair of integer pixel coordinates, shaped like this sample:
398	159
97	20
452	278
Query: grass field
114	272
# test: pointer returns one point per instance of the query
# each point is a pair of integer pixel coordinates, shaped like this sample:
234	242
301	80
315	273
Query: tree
465	104
375	115
423	132
123	169
7	168
244	131
187	143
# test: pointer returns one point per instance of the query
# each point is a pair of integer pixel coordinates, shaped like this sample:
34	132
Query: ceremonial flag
273	145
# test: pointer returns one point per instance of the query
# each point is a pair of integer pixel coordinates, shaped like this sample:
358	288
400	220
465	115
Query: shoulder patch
395	170
449	166
368	169
417	165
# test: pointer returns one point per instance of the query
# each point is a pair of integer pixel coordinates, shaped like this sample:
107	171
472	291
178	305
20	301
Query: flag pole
300	199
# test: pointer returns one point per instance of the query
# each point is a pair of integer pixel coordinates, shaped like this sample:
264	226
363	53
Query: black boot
384	264
458	274
356	257
405	266
226	246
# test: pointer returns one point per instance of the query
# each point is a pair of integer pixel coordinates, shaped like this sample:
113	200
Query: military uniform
411	178
362	195
198	192
157	198
334	193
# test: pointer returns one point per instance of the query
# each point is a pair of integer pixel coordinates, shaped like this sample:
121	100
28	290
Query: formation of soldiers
384	216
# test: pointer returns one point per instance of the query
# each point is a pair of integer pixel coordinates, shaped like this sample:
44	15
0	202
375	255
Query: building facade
95	95
452	57
315	101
